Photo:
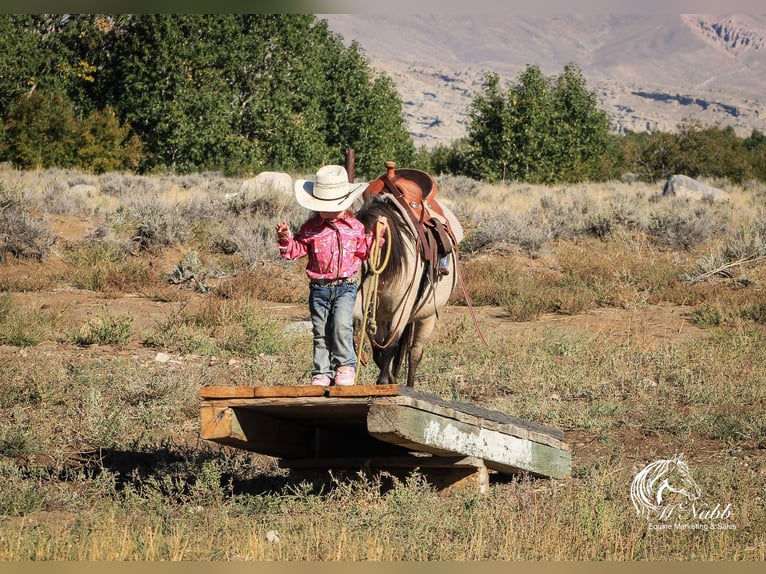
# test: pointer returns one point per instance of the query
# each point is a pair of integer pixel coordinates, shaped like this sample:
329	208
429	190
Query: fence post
350	165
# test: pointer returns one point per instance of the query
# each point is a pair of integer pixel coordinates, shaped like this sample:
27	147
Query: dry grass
99	451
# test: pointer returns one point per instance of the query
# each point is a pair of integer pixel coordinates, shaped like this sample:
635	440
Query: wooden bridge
386	427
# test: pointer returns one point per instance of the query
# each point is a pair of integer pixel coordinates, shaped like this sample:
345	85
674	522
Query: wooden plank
223	392
403	461
293	403
363	391
256	432
482	413
299	391
214	422
428	432
499	422
226	392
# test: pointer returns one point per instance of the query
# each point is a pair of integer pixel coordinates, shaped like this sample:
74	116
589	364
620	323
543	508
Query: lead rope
369	302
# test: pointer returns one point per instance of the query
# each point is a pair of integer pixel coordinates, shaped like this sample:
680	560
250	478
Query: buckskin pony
410	289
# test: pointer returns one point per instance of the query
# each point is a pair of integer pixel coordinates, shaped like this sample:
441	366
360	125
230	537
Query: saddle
415	191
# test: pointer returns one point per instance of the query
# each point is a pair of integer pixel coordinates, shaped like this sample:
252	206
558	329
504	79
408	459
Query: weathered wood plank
256	432
403	461
292	403
428	432
481	412
215	422
363	391
226	392
525	431
223	392
299	391
374	421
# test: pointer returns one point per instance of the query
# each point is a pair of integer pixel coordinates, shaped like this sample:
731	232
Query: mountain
650	71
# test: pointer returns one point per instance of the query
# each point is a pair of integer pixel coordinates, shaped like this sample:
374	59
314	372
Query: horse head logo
652	485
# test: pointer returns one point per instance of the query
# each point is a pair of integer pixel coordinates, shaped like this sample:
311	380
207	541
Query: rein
369	303
468	302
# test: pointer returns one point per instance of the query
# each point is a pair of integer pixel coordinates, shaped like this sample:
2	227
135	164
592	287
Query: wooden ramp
383	427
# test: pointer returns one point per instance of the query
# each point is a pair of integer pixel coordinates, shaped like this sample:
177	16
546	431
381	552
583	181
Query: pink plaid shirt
335	249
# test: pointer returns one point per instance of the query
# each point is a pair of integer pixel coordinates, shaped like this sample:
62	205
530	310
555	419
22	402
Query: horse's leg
384	357
422	330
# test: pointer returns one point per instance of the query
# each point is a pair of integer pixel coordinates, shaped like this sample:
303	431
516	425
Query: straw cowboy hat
330	191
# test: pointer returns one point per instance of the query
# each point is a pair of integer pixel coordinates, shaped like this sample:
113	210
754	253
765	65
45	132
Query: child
336	244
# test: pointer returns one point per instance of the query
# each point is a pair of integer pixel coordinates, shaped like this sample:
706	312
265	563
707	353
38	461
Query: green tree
539	129
230	92
755	144
163	81
251	90
712	151
105	145
580	126
21	54
652	156
694	150
41	131
54	53
533	129
492	150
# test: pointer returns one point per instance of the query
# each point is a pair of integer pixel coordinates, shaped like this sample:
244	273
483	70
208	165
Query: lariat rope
376	266
369	303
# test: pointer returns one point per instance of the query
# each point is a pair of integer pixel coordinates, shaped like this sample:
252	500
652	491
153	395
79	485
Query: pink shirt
335	249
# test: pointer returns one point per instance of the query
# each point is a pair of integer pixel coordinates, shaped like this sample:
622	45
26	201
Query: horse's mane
398	229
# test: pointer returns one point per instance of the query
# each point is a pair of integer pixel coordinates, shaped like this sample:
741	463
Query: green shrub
22	327
105	330
105	145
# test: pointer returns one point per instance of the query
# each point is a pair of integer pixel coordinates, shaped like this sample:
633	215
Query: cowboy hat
330	191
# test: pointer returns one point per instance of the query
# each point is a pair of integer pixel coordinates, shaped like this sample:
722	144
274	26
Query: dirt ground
648	326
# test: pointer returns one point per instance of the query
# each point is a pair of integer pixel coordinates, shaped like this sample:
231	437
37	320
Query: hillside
650	71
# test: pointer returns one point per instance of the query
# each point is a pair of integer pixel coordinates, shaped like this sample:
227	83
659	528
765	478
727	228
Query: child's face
330	215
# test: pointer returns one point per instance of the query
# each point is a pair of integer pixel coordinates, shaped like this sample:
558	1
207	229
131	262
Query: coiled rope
376	264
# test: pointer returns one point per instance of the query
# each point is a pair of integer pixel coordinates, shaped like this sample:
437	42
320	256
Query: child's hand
380	229
283	232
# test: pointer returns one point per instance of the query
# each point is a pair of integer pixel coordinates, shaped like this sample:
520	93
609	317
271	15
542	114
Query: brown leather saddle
415	191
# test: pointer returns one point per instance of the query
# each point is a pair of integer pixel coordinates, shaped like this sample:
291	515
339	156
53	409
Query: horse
408	297
650	485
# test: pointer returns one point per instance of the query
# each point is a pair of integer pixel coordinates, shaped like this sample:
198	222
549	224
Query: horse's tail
402	350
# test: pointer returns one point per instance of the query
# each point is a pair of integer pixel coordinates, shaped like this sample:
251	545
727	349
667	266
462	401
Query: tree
712	151
41	131
231	92
581	127
105	145
491	148
251	90
540	130
755	144
693	151
163	81
20	56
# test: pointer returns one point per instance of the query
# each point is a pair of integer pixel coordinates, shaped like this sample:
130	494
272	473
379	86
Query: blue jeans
332	317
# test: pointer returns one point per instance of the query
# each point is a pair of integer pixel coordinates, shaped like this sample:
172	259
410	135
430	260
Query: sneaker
344	376
320	380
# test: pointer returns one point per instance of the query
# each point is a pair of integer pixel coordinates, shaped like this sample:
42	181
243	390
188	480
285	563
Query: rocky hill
651	72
